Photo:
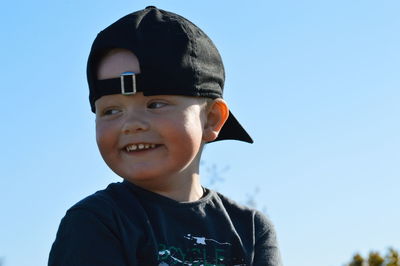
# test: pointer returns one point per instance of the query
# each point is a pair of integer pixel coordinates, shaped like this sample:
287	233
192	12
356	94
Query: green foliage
357	260
375	259
392	258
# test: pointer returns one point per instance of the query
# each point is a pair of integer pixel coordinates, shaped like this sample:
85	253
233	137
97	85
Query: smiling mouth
140	147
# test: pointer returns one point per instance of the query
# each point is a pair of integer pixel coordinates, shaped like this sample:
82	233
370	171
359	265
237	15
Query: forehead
115	62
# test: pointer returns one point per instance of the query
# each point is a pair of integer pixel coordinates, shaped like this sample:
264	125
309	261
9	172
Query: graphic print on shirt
198	250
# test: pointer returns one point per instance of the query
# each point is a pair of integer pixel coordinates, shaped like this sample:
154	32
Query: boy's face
145	138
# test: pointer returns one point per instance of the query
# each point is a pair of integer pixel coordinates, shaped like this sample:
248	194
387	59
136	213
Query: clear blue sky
316	83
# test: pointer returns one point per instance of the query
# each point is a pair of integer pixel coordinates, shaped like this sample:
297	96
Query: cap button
148	7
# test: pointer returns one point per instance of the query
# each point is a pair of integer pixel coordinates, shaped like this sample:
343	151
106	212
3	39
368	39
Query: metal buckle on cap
127	75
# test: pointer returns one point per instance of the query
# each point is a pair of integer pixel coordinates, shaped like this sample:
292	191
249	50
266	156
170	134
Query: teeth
141	146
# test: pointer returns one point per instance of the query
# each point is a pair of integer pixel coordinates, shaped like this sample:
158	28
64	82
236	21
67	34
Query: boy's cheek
105	128
103	137
99	134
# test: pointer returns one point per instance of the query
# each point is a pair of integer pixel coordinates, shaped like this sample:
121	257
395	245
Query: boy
156	83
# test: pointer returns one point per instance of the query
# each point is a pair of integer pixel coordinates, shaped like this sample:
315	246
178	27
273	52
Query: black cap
175	57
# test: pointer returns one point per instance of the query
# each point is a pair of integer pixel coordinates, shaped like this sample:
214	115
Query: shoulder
258	221
256	231
100	203
112	206
233	205
98	208
245	211
90	233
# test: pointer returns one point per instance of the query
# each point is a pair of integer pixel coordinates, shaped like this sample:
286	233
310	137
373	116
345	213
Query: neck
190	192
187	190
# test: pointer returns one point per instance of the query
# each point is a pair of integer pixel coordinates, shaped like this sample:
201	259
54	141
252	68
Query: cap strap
126	84
128	79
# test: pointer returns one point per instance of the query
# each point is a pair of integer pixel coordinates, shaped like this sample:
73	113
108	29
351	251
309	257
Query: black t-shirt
127	225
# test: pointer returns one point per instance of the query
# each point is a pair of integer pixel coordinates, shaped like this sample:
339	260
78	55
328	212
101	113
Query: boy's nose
134	124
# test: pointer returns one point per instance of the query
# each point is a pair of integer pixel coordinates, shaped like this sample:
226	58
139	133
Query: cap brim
233	130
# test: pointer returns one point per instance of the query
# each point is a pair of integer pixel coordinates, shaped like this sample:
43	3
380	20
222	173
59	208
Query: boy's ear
217	113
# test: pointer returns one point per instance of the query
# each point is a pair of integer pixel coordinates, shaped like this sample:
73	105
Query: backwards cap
175	58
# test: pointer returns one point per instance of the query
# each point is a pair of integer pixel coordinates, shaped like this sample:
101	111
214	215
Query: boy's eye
111	111
156	105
